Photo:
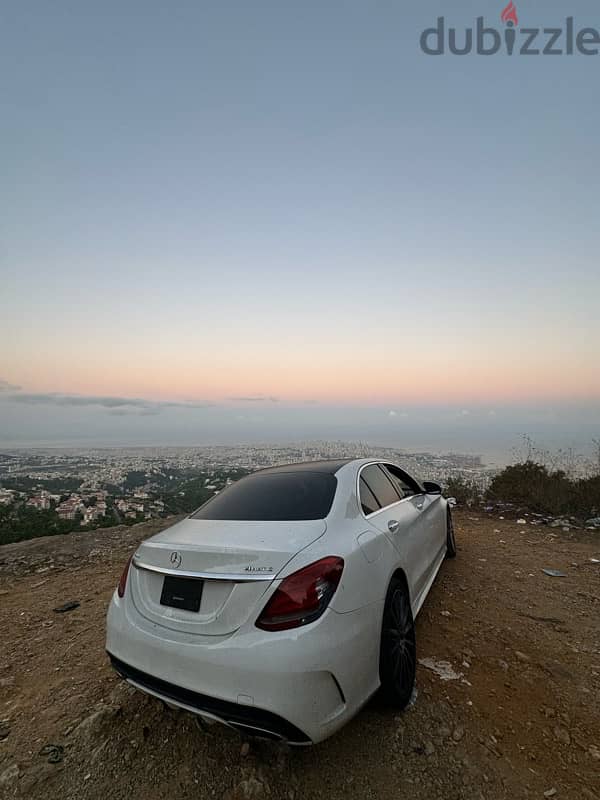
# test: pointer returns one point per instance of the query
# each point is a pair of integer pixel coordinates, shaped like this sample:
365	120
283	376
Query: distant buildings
69	509
42	500
103	477
7	496
91	514
38	501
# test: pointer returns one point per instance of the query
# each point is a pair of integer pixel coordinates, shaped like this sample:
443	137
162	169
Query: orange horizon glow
345	385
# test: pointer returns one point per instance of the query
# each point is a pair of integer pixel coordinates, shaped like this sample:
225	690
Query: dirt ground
522	721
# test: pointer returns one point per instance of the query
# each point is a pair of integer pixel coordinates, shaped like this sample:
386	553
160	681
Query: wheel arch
400	574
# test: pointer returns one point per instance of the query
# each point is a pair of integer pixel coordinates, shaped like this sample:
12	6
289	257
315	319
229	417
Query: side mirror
431	487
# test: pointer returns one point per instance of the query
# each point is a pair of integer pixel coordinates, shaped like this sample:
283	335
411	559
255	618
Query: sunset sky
288	218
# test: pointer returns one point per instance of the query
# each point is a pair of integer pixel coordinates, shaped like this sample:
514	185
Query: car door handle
393	525
419	504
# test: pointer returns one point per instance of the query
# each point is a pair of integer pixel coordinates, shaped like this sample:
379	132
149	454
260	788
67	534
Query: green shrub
464	492
533	486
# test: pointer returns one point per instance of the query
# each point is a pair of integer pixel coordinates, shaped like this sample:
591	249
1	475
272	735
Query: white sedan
287	600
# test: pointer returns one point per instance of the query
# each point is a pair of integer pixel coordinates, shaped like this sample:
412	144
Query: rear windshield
281	496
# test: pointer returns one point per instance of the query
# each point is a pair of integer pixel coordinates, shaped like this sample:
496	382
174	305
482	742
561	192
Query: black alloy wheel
398	653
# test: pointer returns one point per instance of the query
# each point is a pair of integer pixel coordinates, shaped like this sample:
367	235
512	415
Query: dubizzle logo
512	39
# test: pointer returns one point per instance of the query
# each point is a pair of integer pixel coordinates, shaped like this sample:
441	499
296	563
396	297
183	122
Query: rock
458	733
587	793
444	732
120	693
557	670
69	606
521	522
429	748
594	752
9	775
445	613
594	522
443	669
97	751
521	656
89	726
503	665
245	750
562	735
54	753
550	792
248	790
4	730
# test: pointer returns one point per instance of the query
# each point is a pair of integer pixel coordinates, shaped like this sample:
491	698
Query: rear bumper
299	685
233	714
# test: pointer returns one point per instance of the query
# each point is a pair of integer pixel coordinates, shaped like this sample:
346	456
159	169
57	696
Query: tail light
123	580
303	596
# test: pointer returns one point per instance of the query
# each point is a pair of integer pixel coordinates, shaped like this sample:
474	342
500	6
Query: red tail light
303	596
123	580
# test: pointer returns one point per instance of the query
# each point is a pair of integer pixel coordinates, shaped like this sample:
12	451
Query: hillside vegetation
536	487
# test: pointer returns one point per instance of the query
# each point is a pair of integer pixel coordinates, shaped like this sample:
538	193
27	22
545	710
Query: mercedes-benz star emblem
176	559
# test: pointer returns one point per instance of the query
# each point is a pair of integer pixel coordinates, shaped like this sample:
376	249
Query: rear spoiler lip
244	577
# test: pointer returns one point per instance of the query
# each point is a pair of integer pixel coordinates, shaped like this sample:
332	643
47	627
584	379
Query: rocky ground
517	718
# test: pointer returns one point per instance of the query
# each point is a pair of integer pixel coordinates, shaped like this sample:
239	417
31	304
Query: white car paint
315	677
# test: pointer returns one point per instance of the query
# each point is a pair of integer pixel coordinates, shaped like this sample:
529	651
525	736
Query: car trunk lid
221	567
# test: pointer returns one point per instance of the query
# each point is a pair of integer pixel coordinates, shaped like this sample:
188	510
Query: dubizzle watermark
510	40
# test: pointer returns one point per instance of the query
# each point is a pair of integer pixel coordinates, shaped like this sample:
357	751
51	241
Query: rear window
279	497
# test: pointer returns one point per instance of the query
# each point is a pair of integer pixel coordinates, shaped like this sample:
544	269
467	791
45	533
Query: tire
450	540
398	652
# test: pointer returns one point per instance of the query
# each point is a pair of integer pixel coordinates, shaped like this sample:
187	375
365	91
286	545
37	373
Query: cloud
392	413
117	406
5	386
465	412
255	399
133	412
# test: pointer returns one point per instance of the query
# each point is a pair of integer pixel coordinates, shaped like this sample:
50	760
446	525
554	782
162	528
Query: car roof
328	467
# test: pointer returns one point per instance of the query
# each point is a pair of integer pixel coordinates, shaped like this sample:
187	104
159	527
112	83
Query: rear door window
404	484
380	485
367	499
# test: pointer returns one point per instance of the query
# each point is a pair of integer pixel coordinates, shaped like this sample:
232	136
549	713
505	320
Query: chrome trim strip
206	576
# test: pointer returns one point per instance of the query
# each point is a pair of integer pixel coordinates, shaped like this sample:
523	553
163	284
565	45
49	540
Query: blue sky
209	200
